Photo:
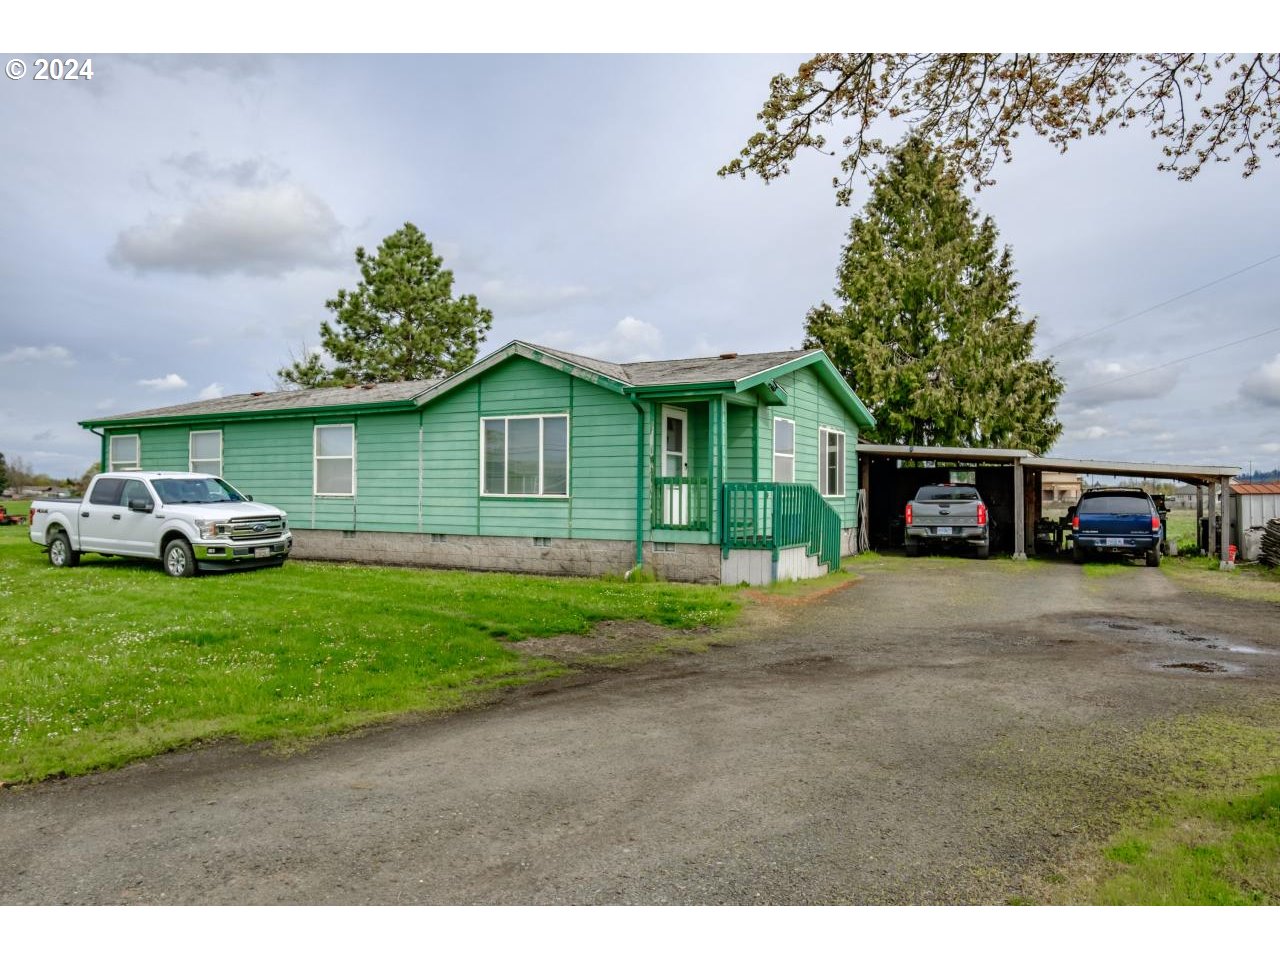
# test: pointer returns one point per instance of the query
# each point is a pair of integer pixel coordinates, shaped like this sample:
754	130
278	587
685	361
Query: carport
1214	478
1009	481
890	474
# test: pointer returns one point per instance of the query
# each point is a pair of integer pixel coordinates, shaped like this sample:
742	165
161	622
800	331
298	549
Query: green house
723	469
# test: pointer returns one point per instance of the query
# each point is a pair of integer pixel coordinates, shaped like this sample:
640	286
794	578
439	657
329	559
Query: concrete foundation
758	568
687	562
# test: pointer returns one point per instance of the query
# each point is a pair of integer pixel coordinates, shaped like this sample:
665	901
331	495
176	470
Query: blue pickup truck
1117	520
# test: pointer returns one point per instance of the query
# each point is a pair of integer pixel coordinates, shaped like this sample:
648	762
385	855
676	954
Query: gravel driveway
940	732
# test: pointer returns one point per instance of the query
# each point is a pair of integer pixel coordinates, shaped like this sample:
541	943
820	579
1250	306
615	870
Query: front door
675	464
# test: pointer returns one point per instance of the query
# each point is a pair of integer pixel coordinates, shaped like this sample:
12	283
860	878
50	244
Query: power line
1161	366
1162	303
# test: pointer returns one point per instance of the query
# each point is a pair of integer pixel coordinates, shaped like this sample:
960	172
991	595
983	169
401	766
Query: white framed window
205	451
525	456
830	462
125	452
784	450
335	460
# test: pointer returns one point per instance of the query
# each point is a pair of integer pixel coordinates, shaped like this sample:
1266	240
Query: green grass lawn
112	661
1210	832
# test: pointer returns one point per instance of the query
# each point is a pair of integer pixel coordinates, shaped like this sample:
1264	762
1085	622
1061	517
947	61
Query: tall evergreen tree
402	321
927	327
4	474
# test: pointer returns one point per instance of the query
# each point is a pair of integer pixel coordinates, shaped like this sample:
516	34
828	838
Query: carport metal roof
1123	468
1115	468
962	454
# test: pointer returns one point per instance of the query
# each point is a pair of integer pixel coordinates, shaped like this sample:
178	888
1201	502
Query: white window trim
506	439
791	456
191	449
823	433
113	464
316	458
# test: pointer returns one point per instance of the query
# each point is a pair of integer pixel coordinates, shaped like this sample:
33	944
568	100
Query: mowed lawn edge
113	661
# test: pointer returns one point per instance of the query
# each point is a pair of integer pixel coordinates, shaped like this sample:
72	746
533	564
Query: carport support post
1019	514
1209	547
1224	557
1200	545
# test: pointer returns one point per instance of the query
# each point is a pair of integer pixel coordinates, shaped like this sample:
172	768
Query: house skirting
687	562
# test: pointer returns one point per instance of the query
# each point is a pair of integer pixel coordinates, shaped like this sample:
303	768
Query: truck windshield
947	493
1115	504
195	490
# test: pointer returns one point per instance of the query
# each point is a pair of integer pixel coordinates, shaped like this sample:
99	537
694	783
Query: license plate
1113	542
944	531
262	551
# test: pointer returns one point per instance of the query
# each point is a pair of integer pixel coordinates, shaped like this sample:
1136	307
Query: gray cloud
1102	382
515	297
47	354
1263	385
259	231
244	174
234	66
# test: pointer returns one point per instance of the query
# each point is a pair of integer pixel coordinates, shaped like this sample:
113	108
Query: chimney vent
258	393
728	356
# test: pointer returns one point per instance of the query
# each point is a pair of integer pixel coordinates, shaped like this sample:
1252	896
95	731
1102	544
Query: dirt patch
608	638
800	598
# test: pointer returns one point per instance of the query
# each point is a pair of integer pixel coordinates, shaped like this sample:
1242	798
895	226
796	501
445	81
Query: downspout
102	448
639	480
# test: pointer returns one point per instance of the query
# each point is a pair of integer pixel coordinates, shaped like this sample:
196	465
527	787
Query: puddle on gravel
1157	633
1203	666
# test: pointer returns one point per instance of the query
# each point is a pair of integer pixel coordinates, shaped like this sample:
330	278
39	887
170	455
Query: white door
675	463
135	533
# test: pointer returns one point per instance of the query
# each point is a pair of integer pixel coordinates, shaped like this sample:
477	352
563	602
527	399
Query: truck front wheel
179	561
60	552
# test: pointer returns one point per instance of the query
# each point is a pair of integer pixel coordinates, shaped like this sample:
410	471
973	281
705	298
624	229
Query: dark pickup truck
947	515
1117	520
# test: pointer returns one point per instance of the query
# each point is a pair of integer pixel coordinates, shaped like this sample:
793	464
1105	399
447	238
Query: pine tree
4	474
402	322
927	327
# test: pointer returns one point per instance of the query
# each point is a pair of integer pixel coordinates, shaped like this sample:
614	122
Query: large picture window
525	456
206	452
125	453
784	450
335	466
831	462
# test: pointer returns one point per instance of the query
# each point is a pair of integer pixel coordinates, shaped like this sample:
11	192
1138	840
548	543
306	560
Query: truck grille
255	528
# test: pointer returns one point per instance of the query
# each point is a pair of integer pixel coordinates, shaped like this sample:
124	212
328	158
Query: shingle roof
648	373
651	373
284	400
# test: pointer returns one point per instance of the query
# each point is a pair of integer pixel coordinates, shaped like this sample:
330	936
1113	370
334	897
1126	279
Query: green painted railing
681	503
774	516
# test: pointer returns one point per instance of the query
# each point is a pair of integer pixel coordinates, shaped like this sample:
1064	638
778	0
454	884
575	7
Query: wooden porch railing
774	516
681	503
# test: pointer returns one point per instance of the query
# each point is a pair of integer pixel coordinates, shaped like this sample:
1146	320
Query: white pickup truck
188	521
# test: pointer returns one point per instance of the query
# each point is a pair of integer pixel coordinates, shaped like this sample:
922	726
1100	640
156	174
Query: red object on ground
1231	553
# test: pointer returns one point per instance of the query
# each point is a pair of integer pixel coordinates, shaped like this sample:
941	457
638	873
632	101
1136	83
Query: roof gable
738	373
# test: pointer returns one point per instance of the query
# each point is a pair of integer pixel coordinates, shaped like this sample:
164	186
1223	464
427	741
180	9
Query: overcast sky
172	228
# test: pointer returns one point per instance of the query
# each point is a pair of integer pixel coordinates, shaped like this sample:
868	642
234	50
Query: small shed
1252	505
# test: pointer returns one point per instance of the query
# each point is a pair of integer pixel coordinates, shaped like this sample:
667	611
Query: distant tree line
16	474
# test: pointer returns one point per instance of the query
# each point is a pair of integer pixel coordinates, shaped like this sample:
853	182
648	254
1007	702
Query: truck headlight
208	529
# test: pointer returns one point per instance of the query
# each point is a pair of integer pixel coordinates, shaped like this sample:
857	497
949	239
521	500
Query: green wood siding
602	443
812	406
739	444
419	470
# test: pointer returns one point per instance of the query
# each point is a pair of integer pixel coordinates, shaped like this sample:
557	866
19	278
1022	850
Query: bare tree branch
972	106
